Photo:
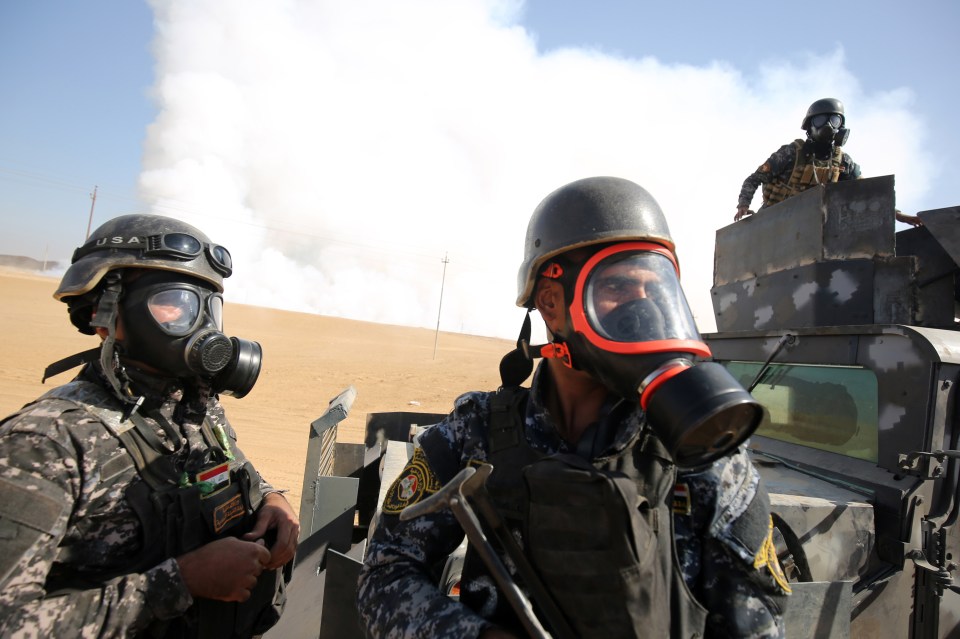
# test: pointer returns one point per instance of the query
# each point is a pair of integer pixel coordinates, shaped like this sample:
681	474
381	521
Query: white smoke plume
342	149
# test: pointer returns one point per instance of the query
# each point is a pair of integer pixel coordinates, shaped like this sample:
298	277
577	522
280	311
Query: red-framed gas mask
627	299
630	327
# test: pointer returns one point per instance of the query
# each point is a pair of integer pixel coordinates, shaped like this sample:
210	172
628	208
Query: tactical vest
599	535
807	171
177	516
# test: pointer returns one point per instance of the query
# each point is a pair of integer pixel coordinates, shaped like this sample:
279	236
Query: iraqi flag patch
415	482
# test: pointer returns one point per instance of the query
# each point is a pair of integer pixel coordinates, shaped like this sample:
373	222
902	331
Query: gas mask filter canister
629	326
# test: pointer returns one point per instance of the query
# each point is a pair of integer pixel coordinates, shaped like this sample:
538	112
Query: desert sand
308	360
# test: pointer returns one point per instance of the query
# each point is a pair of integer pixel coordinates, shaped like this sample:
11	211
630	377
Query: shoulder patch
416	482
766	559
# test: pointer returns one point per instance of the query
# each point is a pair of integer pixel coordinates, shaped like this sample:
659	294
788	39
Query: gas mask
630	327
826	129
175	324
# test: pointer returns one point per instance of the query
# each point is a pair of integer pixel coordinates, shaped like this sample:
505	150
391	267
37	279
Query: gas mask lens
826	118
631	296
178	310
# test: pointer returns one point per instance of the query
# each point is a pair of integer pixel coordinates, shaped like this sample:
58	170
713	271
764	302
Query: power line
93	201
443	279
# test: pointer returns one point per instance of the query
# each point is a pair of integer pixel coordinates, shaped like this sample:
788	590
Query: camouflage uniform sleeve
736	575
777	164
43	461
398	594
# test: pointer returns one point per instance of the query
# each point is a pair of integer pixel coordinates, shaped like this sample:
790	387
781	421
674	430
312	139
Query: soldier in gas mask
797	166
127	507
618	471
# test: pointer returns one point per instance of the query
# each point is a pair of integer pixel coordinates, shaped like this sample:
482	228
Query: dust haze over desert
343	151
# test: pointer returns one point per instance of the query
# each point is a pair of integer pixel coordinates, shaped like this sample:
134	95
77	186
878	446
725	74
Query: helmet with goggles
825	123
166	277
149	242
140	242
822	111
586	212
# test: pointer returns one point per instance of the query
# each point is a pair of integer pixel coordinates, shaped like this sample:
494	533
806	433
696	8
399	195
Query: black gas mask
175	324
630	327
826	129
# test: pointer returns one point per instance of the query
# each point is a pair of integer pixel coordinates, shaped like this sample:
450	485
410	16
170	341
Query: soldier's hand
912	220
742	211
276	513
225	569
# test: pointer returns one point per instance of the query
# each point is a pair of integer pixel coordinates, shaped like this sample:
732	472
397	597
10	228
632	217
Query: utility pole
93	201
440	307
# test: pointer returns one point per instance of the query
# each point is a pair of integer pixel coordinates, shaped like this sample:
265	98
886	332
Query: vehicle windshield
832	408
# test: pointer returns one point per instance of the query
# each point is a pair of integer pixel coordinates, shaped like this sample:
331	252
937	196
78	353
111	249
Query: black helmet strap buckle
106	314
106	317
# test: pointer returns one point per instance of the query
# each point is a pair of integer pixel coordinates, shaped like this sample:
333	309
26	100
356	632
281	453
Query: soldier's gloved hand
742	211
276	514
225	569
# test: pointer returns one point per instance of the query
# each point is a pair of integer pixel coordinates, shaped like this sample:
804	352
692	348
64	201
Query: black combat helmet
142	242
824	106
590	211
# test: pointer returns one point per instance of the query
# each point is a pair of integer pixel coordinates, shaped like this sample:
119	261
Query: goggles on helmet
821	119
178	309
627	299
180	246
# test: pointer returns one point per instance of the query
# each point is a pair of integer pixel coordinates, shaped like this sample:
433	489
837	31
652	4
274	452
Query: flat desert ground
308	360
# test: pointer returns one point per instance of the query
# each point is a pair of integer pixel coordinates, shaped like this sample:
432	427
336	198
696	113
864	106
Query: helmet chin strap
106	317
516	366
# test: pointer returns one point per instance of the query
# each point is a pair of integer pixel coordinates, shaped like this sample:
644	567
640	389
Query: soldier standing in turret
126	507
797	166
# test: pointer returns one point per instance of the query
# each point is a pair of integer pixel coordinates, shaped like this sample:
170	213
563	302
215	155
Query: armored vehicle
846	332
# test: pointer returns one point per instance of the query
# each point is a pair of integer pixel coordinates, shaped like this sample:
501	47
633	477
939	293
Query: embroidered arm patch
416	482
766	558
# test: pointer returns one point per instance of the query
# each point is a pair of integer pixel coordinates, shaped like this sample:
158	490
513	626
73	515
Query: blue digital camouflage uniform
398	595
779	166
62	482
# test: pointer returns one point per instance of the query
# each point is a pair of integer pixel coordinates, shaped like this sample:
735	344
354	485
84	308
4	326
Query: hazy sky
342	149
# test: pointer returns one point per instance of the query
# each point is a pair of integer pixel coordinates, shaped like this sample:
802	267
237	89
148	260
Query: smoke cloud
342	151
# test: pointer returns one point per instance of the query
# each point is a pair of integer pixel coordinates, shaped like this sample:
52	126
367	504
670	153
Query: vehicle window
833	408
